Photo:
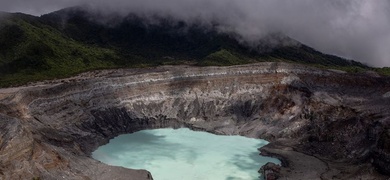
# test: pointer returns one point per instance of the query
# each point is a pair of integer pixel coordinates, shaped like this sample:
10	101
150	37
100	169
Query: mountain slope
168	37
74	40
134	36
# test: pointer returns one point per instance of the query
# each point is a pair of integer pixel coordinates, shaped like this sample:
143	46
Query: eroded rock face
335	123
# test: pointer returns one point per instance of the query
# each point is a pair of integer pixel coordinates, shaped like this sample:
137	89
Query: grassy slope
32	51
223	57
308	56
383	71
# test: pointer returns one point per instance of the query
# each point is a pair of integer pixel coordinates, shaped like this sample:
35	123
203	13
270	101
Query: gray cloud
356	29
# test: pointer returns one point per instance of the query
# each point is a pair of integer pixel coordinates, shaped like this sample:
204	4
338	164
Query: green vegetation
32	51
222	57
67	42
383	71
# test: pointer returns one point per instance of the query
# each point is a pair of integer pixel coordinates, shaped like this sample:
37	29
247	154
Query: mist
354	29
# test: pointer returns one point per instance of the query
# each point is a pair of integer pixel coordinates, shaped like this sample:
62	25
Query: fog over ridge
355	29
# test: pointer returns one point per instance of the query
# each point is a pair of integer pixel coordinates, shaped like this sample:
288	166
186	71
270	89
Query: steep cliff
321	124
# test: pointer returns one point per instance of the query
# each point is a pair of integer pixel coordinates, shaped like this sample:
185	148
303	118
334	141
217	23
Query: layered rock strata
321	124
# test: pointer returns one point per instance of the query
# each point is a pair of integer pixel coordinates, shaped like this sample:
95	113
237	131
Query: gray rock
386	95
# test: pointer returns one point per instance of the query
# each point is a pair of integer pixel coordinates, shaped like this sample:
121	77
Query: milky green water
183	154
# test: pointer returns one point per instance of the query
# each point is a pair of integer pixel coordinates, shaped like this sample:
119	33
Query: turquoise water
183	154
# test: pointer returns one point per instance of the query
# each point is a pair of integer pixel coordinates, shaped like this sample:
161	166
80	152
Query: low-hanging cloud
356	29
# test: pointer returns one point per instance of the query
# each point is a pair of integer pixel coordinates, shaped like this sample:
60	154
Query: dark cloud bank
356	29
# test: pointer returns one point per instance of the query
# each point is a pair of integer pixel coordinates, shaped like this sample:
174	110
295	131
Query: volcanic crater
322	124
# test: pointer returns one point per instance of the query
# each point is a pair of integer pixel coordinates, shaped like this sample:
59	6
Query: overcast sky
356	29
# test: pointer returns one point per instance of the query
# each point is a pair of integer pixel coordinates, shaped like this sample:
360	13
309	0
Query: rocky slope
321	124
